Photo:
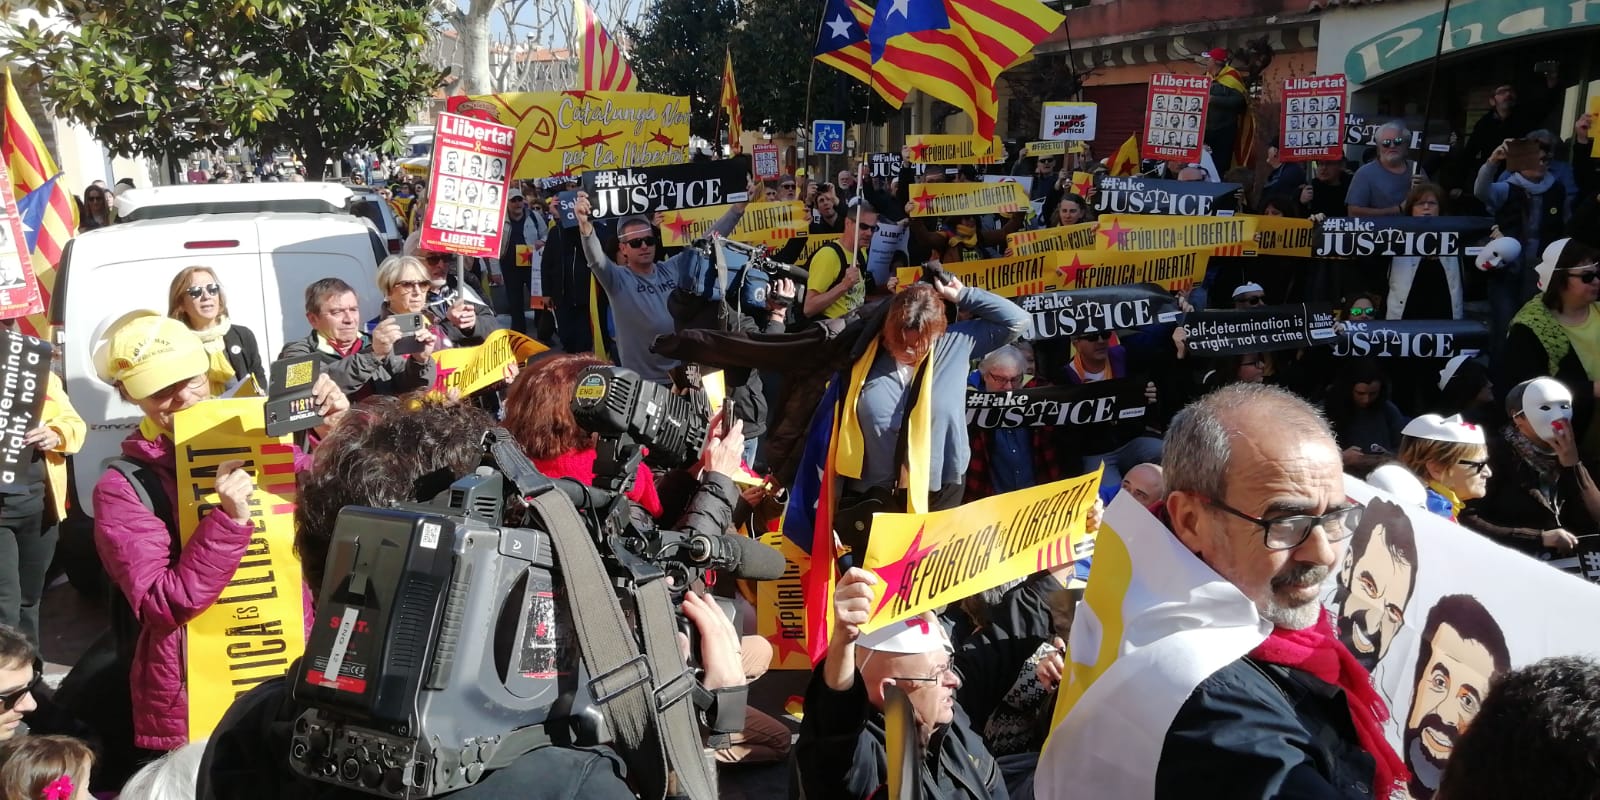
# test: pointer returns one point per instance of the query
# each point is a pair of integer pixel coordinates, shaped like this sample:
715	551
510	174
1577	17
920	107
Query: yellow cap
146	352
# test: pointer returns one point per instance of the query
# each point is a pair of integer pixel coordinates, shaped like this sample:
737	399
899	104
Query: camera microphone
743	558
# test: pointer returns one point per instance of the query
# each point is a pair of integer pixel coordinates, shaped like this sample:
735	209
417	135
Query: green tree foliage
678	48
176	77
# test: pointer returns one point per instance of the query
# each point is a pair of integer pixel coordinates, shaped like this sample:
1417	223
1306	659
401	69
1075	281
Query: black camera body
629	411
438	636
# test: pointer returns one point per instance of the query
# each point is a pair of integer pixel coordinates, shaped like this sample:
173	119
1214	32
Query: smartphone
409	324
1523	154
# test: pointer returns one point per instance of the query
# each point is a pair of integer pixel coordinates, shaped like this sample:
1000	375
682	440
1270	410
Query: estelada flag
730	105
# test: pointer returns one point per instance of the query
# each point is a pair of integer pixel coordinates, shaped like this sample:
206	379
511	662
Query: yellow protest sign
814	242
956	199
1051	148
1594	120
927	560
1013	276
769	224
565	133
1223	236
1175	270
1281	236
780	606
1045	240
944	148
256	627
905	276
472	369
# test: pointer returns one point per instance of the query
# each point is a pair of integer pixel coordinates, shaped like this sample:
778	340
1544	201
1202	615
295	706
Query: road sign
827	137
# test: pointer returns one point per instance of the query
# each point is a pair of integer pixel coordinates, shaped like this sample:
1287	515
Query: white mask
1544	401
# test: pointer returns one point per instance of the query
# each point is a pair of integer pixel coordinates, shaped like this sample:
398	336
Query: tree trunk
474	47
316	157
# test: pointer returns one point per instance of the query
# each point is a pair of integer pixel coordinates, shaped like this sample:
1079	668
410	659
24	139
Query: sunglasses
197	291
1391	142
1363	312
642	241
867	228
1477	467
10	700
420	286
435	258
1586	277
1103	336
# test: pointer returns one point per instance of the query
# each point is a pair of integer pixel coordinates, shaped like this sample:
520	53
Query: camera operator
397	451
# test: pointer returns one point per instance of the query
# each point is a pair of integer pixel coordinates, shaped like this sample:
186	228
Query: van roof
225	198
201	232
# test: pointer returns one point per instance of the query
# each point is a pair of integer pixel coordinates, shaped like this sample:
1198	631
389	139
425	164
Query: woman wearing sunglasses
96	209
1424	287
196	300
1557	333
1449	455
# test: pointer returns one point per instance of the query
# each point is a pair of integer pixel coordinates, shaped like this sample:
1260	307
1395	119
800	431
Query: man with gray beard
1256	491
1381	185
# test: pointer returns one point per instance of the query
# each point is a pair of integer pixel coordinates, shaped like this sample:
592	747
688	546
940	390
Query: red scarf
1315	650
579	465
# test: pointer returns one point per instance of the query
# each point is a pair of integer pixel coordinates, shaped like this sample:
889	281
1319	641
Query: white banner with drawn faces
1435	612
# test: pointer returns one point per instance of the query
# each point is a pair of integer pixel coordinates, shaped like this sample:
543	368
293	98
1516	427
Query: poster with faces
1435	612
1312	125
1175	117
469	184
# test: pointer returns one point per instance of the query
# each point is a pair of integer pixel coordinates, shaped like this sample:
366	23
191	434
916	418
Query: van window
365	208
301	205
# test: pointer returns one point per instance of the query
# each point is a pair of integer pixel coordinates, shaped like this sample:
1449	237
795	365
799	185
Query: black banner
566	209
23	378
1108	308
1096	403
1258	330
646	190
1355	237
883	165
1170	198
1444	338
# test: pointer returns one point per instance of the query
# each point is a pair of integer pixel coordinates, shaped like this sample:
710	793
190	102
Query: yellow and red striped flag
31	168
601	65
730	105
1126	161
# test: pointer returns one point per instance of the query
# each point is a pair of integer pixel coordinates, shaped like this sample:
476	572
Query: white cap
1444	429
1398	481
1246	288
1552	262
1451	367
914	635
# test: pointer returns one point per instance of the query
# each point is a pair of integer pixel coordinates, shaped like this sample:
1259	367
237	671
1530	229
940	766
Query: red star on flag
893	575
924	199
679	225
1114	233
1083	187
1075	269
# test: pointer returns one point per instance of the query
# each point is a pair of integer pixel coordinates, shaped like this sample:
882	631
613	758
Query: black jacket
247	758
841	752
1517	507
1525	359
1258	730
364	373
243	354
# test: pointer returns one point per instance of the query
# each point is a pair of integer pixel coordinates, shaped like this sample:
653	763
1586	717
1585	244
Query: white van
264	262
187	200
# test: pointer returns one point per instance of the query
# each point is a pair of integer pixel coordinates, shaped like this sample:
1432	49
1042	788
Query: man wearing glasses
842	749
638	285
1119	446
833	289
1257	495
20	674
1381	185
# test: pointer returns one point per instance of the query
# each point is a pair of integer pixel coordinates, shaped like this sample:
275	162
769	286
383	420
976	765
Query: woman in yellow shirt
1557	333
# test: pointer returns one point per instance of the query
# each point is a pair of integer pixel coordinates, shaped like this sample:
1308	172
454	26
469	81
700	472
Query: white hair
171	777
1004	354
1393	125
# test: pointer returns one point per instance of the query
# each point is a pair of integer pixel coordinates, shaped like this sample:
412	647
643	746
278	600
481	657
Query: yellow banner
1223	236
1052	148
780	606
944	148
472	369
905	276
1281	236
814	242
1045	240
769	224
927	560
566	133
1594	121
1175	270
956	199
1014	276
256	627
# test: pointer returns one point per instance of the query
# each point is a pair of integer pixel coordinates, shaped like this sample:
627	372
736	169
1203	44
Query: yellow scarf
850	452
220	372
1456	503
964	235
151	431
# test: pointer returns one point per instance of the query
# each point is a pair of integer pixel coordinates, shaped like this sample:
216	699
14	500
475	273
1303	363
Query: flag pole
811	74
1433	78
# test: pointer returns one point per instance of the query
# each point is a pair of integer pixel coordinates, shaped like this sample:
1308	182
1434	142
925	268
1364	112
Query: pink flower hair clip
60	789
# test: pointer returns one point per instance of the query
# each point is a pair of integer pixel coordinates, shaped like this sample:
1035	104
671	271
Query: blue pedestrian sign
827	137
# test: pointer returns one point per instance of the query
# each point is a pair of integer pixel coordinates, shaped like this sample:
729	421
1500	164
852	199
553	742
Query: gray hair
171	777
1393	125
1005	354
1199	442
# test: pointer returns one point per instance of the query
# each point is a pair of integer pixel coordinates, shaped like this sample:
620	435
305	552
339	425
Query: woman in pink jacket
160	365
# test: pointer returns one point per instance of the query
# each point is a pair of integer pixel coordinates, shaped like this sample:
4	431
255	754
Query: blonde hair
179	289
394	268
1417	453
